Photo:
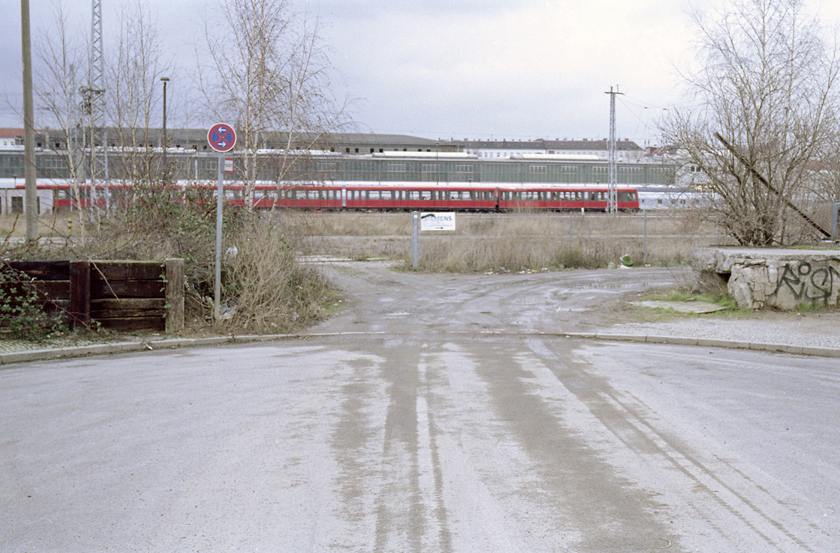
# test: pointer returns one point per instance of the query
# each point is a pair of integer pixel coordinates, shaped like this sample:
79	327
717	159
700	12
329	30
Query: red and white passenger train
371	197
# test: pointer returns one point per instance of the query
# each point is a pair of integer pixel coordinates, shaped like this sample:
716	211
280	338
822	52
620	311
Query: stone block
782	279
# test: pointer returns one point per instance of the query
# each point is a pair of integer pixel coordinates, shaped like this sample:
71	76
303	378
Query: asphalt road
410	426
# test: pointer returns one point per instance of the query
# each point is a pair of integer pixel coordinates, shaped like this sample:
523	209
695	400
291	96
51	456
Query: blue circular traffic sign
221	137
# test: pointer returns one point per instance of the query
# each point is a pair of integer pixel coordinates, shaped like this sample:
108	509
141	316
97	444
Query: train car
375	197
402	198
565	199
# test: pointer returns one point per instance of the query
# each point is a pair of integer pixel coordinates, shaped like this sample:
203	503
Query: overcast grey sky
516	69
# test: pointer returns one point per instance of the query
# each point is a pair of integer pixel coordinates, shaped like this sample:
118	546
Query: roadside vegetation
489	242
264	288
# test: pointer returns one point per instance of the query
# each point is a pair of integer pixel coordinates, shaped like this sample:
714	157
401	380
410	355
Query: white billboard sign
437	221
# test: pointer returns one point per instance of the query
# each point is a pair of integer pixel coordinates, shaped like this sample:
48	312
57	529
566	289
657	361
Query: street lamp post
165	166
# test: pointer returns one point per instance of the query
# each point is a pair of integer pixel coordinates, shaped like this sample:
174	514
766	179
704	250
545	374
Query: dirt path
382	299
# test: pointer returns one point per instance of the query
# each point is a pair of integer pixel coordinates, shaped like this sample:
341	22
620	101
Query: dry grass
506	242
53	225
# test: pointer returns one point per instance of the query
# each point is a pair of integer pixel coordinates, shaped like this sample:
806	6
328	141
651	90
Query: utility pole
31	192
612	195
95	100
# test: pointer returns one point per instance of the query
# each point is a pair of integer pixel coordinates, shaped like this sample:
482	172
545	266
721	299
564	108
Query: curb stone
704	342
173	343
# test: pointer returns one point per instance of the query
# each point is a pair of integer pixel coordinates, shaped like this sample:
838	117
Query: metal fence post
571	220
644	252
415	239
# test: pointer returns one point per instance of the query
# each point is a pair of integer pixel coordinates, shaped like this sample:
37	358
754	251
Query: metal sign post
415	239
221	138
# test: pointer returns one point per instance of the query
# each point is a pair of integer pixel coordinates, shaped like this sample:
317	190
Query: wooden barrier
116	295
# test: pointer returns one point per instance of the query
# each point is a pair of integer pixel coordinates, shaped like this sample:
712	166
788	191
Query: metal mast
94	104
612	195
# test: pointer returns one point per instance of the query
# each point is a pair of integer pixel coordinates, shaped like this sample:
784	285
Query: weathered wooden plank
128	303
50	306
127	308
80	294
174	295
127	270
151	323
127	313
127	289
52	289
42	270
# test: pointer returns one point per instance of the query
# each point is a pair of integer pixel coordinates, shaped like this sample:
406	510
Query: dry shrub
268	290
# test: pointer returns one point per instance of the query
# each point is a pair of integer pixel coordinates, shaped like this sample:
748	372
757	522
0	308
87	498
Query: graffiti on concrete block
808	284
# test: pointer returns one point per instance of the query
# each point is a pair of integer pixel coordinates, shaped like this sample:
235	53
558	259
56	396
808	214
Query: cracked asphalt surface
437	413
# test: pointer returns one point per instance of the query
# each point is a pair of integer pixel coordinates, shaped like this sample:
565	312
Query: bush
265	283
22	310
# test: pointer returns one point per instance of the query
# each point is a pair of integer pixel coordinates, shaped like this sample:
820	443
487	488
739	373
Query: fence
116	295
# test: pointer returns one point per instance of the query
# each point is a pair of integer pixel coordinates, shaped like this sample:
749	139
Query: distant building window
17	204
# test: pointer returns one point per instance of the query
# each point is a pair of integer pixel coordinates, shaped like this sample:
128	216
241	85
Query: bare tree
768	85
61	69
134	93
269	75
